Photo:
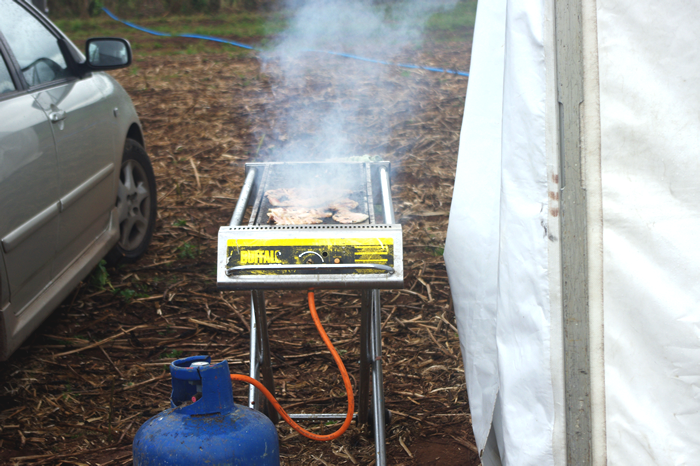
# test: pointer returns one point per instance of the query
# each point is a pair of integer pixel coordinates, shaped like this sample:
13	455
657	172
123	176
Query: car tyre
136	205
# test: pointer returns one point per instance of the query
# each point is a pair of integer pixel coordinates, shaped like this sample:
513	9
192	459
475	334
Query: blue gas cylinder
212	430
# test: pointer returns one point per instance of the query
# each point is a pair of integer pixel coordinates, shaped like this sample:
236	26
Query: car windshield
33	45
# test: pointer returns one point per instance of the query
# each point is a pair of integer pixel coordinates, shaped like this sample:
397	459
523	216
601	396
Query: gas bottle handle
213	381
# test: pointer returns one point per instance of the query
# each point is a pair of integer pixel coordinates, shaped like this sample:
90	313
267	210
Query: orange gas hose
343	373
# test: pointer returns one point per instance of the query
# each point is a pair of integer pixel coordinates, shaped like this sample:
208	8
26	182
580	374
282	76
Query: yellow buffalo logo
260	256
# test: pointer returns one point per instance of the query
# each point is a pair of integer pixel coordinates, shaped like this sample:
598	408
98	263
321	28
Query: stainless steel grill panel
268	276
262	256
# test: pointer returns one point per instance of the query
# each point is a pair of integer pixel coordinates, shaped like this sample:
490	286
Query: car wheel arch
135	133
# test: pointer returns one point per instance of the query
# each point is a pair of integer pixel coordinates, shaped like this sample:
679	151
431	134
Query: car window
34	46
6	84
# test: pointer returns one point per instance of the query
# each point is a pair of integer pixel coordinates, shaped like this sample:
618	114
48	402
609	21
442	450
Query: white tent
571	249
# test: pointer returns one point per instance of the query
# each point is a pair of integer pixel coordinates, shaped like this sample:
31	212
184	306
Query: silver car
76	184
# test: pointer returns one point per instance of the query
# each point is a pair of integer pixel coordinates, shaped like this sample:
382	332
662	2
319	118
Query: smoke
325	106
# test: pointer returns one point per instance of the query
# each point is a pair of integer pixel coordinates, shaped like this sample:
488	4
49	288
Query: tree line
141	8
146	8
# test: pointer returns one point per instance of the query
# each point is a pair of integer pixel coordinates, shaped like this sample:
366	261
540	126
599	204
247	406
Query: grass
256	29
242	26
458	22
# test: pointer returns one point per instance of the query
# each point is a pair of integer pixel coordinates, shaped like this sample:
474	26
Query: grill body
327	255
366	256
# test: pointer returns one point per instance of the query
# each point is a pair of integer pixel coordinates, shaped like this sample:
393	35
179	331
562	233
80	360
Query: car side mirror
107	53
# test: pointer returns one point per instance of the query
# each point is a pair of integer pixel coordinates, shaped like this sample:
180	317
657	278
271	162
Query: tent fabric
473	261
641	133
650	164
497	241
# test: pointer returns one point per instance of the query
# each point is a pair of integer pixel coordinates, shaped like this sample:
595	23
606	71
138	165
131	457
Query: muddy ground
80	387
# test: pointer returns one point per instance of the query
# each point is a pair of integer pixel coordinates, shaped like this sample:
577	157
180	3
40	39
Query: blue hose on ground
238	44
136	26
217	39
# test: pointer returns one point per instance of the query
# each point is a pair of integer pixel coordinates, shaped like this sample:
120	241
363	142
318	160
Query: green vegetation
245	26
140	8
458	21
188	251
127	294
68	392
135	291
237	23
99	278
60	341
95	7
173	354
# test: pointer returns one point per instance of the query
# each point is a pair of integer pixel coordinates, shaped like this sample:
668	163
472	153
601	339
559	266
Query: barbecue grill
367	256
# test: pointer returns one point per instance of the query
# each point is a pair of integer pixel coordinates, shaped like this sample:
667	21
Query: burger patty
345	216
297	206
296	216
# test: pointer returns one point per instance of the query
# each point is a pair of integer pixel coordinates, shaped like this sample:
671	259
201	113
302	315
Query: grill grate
315	176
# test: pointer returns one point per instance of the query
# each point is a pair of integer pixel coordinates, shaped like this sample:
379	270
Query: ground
79	388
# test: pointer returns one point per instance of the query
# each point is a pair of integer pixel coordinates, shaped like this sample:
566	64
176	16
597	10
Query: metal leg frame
255	354
377	379
370	361
365	358
260	360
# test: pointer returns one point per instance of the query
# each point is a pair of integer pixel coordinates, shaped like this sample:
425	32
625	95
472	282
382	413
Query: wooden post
574	241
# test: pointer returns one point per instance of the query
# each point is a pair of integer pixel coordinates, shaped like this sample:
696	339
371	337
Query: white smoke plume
329	107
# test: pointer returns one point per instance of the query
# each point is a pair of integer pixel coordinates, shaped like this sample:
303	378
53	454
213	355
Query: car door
86	164
82	125
29	192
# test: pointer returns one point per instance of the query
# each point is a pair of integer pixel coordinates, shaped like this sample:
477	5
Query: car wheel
136	205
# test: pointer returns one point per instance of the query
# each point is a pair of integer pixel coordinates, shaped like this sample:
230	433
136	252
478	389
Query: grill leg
255	354
365	360
377	380
263	356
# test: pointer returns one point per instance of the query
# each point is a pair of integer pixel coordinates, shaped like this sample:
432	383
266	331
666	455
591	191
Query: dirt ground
80	387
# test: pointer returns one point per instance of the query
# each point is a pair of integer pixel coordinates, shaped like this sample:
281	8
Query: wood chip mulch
80	387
